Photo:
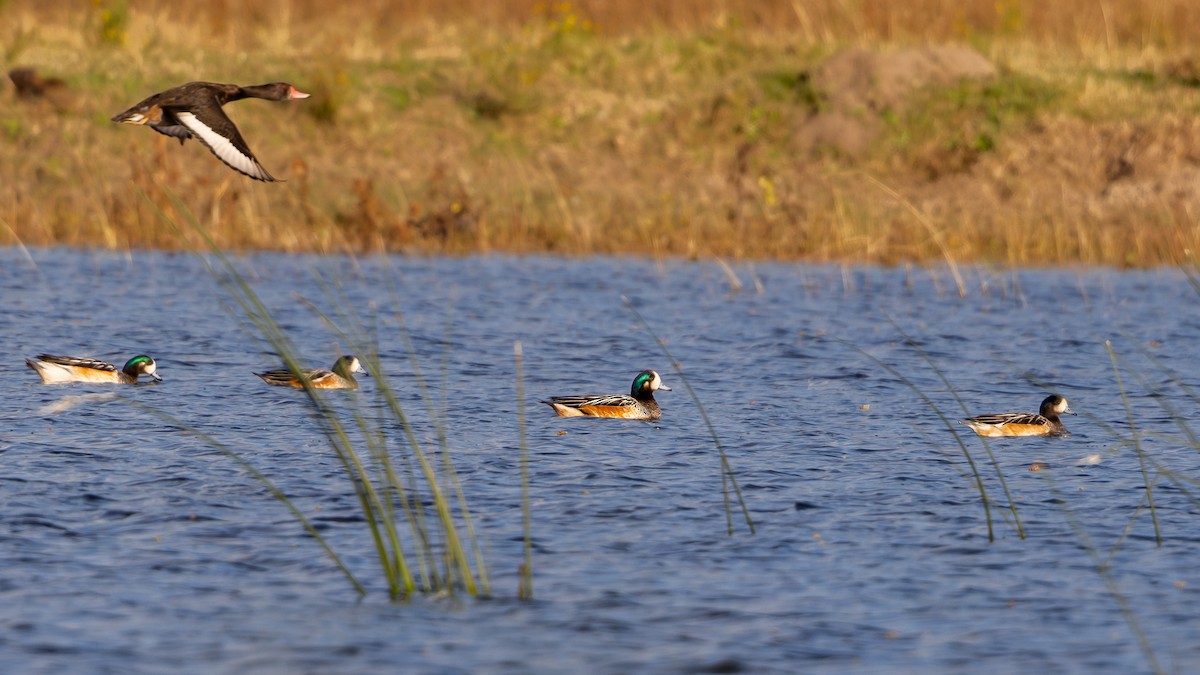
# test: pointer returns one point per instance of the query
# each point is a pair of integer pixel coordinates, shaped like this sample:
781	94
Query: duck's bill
156	377
663	387
296	93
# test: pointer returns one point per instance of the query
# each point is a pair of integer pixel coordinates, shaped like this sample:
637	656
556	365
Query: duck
55	369
340	376
639	404
1044	423
29	84
45	92
194	110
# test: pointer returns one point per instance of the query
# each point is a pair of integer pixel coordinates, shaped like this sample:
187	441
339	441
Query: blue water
129	546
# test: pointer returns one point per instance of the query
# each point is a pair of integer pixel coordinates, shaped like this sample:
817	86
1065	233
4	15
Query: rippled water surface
129	546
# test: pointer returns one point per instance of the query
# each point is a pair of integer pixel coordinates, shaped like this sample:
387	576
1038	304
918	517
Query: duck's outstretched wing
212	127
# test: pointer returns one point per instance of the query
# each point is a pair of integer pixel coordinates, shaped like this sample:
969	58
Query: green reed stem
987	447
1192	277
447	460
525	585
726	469
456	554
396	573
1137	442
261	478
377	510
1190	438
1105	571
1193	439
399	579
983	495
356	338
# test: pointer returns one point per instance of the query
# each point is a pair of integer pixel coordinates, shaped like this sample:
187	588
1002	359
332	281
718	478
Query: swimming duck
55	369
1045	423
639	404
193	110
341	376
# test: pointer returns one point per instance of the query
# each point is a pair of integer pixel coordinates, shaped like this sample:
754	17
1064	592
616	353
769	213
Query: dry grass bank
694	129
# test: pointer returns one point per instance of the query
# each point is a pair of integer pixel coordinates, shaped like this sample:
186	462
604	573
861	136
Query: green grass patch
973	117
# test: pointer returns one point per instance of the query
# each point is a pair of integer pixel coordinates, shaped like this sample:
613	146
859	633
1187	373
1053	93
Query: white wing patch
51	372
223	148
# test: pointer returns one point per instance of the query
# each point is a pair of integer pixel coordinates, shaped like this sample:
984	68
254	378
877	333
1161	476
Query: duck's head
1055	405
646	383
348	365
274	91
142	365
153	114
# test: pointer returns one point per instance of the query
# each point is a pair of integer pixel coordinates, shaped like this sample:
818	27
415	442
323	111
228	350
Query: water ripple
131	546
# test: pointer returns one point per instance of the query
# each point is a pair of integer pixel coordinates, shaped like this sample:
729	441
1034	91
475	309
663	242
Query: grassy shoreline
479	127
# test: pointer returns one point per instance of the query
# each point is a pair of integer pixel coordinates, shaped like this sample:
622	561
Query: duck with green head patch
341	376
55	369
639	404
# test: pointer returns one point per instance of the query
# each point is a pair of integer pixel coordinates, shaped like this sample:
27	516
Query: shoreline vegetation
986	131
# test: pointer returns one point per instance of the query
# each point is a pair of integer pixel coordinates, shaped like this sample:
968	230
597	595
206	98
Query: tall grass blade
377	486
261	478
456	555
987	447
1110	582
525	586
934	234
983	495
727	477
1137	443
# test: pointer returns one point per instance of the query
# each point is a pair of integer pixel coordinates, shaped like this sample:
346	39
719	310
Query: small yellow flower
770	198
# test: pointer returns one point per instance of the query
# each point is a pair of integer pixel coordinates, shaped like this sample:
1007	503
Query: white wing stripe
222	147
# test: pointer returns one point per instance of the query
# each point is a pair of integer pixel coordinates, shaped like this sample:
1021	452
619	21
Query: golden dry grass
616	127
